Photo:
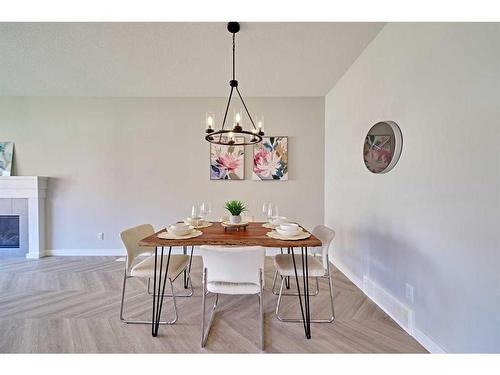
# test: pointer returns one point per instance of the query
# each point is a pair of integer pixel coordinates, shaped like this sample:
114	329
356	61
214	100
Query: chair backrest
131	238
326	236
233	264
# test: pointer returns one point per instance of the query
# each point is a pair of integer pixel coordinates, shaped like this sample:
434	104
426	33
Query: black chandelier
235	136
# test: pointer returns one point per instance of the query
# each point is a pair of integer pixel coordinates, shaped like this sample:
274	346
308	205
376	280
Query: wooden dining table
252	235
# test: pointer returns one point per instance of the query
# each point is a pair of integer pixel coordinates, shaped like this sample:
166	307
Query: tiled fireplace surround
25	196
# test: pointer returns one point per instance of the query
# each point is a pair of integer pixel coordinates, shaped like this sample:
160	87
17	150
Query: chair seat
232	288
284	265
146	268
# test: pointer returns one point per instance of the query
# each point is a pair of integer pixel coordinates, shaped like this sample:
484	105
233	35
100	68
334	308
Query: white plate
203	224
273	234
289	233
170	236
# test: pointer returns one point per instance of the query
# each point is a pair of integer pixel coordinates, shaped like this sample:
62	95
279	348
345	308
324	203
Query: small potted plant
235	208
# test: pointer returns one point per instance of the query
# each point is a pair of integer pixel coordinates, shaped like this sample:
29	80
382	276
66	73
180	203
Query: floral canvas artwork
270	159
6	152
227	162
377	152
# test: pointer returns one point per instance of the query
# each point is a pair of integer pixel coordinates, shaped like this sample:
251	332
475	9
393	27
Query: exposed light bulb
209	122
237	118
260	125
231	140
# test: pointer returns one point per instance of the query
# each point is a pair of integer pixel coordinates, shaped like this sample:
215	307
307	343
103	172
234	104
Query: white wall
433	220
117	162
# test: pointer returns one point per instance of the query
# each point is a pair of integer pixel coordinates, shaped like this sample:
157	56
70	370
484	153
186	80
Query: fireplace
9	232
24	197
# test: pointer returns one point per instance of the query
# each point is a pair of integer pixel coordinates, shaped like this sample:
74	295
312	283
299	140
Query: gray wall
118	162
433	220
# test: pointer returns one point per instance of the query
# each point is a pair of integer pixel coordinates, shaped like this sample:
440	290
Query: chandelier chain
234	52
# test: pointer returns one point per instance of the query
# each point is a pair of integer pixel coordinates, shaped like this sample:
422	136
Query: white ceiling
176	59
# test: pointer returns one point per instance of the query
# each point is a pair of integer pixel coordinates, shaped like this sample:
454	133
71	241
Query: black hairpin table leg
304	307
287	278
305	271
184	251
159	289
189	267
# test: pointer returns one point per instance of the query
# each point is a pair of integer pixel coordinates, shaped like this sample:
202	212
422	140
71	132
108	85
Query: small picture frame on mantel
6	155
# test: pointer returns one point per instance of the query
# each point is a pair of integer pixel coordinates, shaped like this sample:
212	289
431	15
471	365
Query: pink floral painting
227	162
377	152
270	159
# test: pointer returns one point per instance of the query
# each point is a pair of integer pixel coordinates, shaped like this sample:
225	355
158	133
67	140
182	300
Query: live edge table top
253	235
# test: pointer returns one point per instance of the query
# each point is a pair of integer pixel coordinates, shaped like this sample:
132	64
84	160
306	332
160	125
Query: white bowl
289	226
279	220
180	226
180	229
289	233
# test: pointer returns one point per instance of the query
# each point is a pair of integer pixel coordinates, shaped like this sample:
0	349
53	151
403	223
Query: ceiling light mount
233	27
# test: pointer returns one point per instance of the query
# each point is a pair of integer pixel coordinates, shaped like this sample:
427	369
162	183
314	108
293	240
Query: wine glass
272	211
265	207
205	209
194	211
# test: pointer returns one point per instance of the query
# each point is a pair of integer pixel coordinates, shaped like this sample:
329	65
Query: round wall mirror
382	148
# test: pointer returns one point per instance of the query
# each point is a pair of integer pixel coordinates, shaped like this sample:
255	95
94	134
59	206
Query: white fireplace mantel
34	189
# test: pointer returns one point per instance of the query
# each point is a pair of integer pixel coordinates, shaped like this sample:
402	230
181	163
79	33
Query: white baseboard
115	252
427	342
35	255
398	311
349	274
84	252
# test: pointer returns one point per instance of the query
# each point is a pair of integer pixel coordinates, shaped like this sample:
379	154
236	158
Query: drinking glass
265	207
205	209
194	211
272	211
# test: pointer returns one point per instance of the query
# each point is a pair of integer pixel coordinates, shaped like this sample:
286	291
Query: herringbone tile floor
71	305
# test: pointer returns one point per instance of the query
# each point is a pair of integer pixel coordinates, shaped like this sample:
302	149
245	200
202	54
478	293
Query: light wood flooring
71	305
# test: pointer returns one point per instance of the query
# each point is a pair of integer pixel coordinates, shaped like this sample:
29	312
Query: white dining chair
135	267
232	270
318	268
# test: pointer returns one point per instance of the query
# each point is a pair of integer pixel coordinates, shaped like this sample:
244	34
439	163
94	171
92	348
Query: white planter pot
235	219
